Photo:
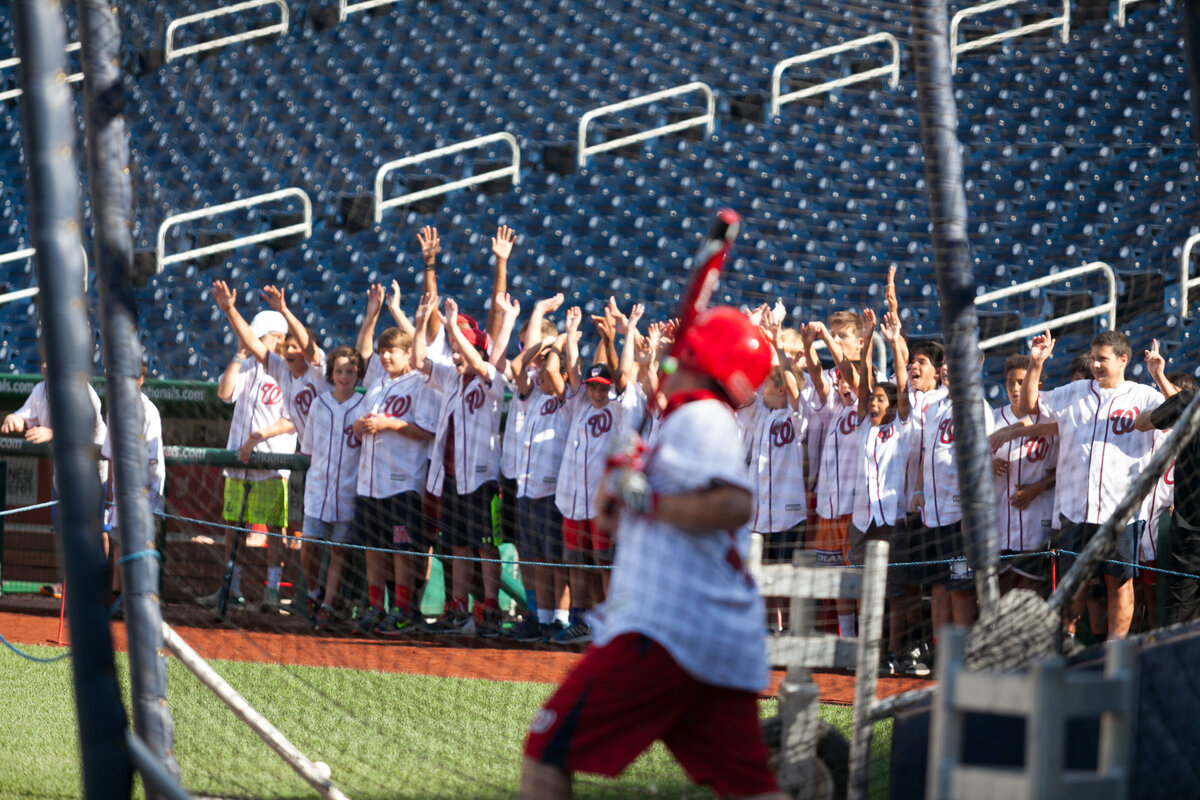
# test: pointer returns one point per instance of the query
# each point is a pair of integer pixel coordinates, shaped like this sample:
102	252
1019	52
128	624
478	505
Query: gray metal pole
956	289
111	193
48	128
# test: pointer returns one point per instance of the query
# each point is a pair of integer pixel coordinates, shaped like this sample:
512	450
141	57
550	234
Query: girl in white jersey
331	480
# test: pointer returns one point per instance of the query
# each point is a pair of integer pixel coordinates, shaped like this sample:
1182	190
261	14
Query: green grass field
386	735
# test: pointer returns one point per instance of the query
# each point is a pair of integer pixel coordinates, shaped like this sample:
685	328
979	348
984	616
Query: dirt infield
245	637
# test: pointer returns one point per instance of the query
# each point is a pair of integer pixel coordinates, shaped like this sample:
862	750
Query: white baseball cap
265	322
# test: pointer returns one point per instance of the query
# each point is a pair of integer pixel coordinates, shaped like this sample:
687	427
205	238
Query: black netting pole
48	133
956	288
111	192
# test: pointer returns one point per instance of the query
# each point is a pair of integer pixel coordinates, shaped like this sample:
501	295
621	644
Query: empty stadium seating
1072	153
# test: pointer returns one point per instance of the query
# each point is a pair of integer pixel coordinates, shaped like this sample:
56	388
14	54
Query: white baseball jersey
939	464
689	591
36	412
514	423
919	402
1029	459
439	350
591	435
883	453
298	392
258	403
152	437
1160	499
392	463
839	476
474	409
332	479
774	440
543	438
1100	454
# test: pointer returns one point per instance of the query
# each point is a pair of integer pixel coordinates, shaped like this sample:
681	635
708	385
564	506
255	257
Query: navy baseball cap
599	373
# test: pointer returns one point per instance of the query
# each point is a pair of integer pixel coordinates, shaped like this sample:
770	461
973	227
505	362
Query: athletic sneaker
311	608
912	664
270	602
453	623
552	629
889	666
212	600
325	619
369	622
396	623
527	630
490	626
578	633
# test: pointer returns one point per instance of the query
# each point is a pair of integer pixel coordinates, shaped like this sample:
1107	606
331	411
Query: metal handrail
513	170
1109	308
1121	6
74	77
1185	263
983	8
279	28
706	119
346	7
305	227
891	70
29	252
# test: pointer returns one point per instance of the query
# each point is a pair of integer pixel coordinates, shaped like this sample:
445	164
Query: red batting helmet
725	345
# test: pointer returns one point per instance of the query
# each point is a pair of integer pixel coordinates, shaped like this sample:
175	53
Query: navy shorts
950	551
1074	536
467	518
778	546
897	576
389	523
540	524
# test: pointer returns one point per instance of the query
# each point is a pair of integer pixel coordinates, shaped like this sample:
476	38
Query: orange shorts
832	540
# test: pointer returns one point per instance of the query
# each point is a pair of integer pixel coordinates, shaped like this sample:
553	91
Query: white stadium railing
513	170
170	51
890	70
1107	309
706	119
26	253
1063	21
9	63
304	227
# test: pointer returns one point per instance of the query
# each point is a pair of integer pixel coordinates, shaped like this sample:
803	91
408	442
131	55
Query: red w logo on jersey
270	394
473	399
886	433
1122	421
397	406
1036	449
352	439
600	424
1169	476
305	398
550	406
946	431
782	433
848	423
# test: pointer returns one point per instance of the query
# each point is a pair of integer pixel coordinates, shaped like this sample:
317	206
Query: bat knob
726	225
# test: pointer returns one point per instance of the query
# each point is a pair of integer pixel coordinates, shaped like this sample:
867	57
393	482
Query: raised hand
508	305
430	245
890	331
223	296
615	316
275	298
425	308
502	242
374	298
550	304
1154	359
893	302
574	318
605	325
635	314
393	299
1041	348
869	323
450	311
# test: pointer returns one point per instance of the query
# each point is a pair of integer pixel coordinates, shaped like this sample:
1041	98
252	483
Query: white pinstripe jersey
689	591
392	463
1029	459
775	452
332	479
543	438
298	393
36	411
840	472
1100	454
939	463
152	437
1160	499
475	408
920	402
257	403
590	436
883	452
512	439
